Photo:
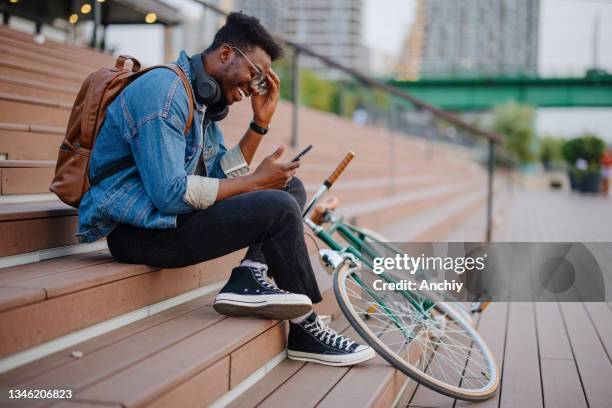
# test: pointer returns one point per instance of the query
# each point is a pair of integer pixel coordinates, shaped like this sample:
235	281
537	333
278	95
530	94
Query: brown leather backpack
99	89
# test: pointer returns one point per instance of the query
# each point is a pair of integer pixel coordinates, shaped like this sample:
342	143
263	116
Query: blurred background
537	73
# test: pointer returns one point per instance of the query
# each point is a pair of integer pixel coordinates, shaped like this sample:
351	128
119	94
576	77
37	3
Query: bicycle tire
406	367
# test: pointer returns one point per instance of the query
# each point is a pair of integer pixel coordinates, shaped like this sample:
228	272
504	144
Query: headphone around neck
207	91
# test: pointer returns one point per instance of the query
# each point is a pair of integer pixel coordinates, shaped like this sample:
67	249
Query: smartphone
302	153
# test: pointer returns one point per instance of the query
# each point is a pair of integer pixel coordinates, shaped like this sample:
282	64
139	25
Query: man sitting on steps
188	199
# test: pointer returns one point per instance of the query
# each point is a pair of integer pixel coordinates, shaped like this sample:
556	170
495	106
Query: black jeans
269	222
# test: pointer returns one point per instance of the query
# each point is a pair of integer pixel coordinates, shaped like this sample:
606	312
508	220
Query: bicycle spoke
445	352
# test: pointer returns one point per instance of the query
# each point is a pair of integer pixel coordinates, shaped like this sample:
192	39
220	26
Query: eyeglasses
258	82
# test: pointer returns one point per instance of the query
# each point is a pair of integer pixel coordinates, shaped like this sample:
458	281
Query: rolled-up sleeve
201	192
233	163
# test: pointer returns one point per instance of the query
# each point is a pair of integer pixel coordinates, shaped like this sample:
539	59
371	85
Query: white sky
566	31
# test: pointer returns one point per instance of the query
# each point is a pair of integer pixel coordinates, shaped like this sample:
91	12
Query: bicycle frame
364	252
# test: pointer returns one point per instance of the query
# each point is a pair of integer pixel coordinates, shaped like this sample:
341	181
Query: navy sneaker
312	340
248	293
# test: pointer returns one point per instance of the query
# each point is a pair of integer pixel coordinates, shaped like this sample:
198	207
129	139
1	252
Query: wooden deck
549	354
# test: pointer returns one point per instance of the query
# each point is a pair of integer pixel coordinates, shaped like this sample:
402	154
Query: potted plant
583	155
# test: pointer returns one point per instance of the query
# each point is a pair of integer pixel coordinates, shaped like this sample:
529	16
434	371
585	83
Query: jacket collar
183	62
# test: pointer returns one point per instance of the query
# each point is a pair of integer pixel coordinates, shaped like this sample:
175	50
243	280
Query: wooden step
376	214
50	224
33	58
26	176
65	49
436	222
24	142
48	299
33	226
59	53
33	111
374	383
37	89
165	357
14	69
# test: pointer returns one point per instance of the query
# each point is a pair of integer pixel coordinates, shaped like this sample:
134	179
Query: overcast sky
566	31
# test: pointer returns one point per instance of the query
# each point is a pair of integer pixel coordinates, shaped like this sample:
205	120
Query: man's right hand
270	174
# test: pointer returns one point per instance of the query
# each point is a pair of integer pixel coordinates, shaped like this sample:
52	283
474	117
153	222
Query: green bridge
593	90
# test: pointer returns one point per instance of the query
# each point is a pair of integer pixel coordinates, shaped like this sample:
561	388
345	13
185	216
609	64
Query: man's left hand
264	106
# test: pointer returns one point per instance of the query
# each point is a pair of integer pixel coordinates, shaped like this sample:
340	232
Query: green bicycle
430	340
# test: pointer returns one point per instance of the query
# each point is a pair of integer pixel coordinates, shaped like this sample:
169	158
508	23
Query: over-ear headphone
207	90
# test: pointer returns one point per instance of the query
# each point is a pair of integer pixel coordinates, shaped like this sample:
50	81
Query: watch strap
258	129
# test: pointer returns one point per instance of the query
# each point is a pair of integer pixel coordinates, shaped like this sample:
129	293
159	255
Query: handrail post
295	95
97	16
491	170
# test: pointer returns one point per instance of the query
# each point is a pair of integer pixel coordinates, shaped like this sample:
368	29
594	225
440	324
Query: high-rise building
456	38
333	28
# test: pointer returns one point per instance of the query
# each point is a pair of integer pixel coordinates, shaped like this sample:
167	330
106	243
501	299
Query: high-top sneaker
248	293
312	340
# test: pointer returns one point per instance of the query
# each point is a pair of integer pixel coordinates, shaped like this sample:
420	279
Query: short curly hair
245	32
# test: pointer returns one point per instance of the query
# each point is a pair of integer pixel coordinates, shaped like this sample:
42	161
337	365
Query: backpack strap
187	84
129	161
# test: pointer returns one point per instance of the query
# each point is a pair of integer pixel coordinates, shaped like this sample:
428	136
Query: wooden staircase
71	317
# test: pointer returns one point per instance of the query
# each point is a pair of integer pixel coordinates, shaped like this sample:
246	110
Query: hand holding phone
302	153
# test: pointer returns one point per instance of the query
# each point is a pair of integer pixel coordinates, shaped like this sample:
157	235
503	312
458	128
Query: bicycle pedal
479	307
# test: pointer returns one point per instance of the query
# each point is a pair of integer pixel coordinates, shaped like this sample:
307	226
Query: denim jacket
146	121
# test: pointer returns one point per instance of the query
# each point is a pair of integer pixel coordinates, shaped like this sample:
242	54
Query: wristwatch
258	129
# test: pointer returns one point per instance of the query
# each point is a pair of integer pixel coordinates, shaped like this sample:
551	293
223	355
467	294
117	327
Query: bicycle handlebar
334	176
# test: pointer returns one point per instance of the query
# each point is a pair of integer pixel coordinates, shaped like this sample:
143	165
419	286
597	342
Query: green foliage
319	93
588	147
282	68
517	123
315	91
551	155
328	95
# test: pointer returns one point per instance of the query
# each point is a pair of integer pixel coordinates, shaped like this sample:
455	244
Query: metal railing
491	138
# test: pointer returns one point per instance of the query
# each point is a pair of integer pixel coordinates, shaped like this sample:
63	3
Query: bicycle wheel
438	349
380	242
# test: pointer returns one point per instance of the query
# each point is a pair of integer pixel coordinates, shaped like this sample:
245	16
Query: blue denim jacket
147	121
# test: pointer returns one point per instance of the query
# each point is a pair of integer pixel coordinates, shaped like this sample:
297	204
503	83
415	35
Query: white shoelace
319	329
262	278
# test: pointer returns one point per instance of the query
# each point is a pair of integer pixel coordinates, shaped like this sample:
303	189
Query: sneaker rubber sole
333	360
276	307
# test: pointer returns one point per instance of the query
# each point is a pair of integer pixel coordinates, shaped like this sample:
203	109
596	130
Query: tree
517	123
